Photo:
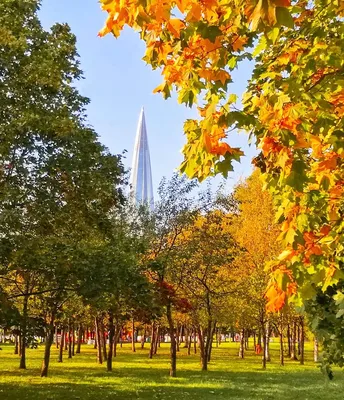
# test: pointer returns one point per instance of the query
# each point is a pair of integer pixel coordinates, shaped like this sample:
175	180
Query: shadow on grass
144	383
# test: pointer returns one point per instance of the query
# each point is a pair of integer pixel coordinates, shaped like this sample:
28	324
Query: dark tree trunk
20	344
56	339
157	339
111	341
202	349
259	339
116	339
302	341
16	344
299	340
289	341
69	340
177	338
189	344
254	340
48	343
97	338
242	344
152	343
195	341
80	335
281	347
173	349
133	349
63	334
210	340
73	340
22	364
103	341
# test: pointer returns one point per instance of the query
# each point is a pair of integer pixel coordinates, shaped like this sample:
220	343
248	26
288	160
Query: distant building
141	173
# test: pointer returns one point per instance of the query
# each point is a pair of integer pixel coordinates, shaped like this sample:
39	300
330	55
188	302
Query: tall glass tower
141	173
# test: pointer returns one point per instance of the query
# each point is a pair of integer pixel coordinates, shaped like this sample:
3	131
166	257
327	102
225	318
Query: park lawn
136	377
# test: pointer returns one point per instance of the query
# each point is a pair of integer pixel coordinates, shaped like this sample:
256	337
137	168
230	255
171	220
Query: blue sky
119	83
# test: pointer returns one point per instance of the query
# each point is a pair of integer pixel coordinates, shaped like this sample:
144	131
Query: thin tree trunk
133	349
16	344
22	364
267	342
69	340
177	338
97	338
157	339
281	346
56	339
60	359
202	349
73	340
293	341
289	341
242	344
299	339
152	343
20	344
195	341
116	339
48	343
210	340
316	349
302	341
189	344
80	334
103	341
111	341
173	349
254	340
263	336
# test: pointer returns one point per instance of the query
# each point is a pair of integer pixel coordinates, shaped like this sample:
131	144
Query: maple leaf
175	26
239	42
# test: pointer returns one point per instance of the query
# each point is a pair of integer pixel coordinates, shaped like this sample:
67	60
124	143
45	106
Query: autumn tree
204	272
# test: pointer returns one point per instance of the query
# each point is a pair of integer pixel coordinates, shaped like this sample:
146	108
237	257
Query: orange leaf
175	25
239	43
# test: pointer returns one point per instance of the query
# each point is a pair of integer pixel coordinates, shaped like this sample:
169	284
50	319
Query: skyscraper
141	173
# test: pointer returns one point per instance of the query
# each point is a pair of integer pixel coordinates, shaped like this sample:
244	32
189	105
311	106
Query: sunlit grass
136	377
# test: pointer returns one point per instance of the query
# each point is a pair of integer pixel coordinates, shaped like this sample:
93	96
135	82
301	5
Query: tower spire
141	173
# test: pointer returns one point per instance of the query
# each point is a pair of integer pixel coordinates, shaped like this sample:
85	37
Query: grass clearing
136	377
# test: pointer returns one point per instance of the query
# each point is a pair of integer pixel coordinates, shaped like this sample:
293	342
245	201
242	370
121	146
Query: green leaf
208	32
284	17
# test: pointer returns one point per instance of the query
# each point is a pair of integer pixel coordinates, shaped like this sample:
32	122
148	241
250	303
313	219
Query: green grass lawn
136	377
